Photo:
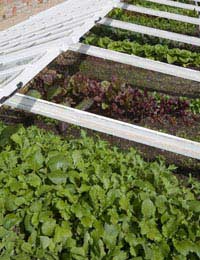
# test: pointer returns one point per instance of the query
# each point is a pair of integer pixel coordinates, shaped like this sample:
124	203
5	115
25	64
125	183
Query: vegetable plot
155	22
66	198
81	199
161	7
116	98
137	46
119	100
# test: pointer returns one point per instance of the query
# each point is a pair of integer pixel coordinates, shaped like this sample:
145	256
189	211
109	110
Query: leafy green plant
155	22
155	52
161	7
195	106
81	199
185	1
118	99
120	35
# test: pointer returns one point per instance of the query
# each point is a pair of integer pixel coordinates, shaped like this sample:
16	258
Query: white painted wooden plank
48	26
176	4
5	79
13	61
31	36
136	61
33	43
150	31
28	73
148	11
106	125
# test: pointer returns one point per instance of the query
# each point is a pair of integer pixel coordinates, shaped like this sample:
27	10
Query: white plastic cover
26	48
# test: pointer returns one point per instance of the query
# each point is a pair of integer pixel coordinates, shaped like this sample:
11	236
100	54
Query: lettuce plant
158	52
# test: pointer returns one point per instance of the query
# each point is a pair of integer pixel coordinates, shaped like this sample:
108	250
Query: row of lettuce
161	7
151	47
115	98
143	46
155	22
146	46
82	199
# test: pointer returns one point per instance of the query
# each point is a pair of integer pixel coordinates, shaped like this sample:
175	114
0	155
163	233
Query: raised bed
86	91
155	22
162	7
99	203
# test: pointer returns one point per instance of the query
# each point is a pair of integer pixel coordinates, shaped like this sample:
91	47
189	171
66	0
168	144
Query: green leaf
48	227
7	133
9	203
124	203
34	93
57	162
149	228
170	227
45	241
171	59
104	106
78	251
110	235
62	233
36	160
161	203
58	177
194	205
26	247
33	180
148	208
53	92
186	246
11	220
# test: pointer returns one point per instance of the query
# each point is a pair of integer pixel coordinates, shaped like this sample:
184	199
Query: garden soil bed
185	165
157	22
71	63
141	78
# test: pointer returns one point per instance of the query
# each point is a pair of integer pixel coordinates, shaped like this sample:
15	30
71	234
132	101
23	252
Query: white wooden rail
106	125
136	61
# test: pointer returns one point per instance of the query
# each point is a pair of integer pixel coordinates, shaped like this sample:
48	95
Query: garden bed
114	97
88	84
171	52
83	199
69	194
155	22
161	7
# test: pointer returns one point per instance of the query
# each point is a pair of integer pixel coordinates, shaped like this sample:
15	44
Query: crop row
138	46
186	1
161	7
115	99
121	35
155	22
